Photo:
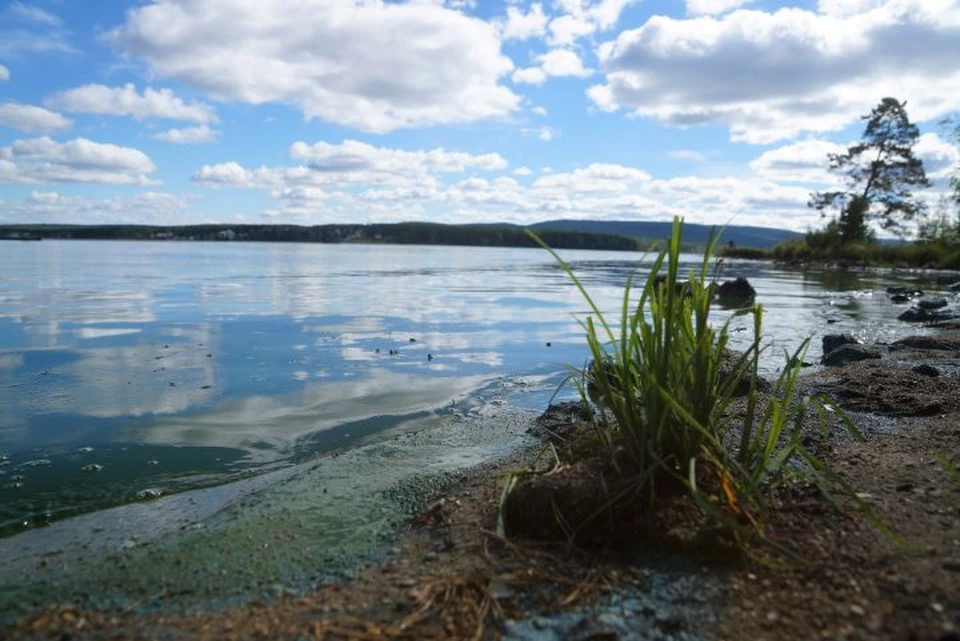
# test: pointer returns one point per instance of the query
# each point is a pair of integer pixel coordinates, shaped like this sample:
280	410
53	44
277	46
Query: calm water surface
128	367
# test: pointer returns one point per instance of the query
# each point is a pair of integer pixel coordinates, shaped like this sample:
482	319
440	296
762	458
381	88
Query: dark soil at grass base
449	576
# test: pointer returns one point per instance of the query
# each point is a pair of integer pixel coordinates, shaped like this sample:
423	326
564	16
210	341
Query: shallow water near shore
131	370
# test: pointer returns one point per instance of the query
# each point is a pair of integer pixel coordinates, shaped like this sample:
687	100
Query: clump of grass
664	374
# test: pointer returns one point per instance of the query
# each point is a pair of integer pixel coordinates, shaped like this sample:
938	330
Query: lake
132	369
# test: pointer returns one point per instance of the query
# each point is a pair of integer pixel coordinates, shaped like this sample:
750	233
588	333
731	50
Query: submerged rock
905	293
924	315
849	353
932	303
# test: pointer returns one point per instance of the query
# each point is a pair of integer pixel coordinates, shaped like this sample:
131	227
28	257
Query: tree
880	172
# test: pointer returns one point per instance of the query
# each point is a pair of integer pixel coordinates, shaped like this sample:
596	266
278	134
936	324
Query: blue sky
317	111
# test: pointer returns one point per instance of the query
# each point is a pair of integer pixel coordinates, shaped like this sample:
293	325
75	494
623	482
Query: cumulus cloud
522	26
188	135
553	63
326	165
127	101
562	62
582	18
372	66
30	118
714	7
529	76
43	160
770	76
353	181
4	73
806	161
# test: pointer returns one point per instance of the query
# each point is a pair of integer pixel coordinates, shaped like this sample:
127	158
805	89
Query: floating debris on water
92	468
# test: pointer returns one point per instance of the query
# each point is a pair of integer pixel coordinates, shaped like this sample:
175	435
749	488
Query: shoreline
861	582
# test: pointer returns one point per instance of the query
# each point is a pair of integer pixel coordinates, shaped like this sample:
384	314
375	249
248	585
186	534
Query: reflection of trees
836	279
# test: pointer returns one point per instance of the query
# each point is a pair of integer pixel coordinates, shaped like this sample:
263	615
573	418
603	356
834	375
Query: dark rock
849	354
932	303
951	565
955	287
899	298
736	293
926	370
909	292
916	315
833	341
926	343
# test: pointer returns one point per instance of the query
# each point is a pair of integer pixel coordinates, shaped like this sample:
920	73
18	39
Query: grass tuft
663	380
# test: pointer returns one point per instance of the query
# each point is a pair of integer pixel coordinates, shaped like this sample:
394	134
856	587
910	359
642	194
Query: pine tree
880	172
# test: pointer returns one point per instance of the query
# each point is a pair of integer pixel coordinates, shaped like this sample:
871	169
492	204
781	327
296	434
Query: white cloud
562	62
567	29
940	157
188	135
546	134
33	13
582	18
522	26
688	155
540	111
346	165
352	155
373	66
30	118
148	207
42	160
127	101
4	73
806	161
530	76
771	76
522	171
714	7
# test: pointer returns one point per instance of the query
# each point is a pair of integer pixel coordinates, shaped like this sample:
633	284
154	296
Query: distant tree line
394	233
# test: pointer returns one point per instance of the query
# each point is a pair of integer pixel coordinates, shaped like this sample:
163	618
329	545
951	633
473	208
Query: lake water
129	368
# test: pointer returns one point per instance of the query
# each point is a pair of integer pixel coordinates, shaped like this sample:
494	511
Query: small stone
857	610
951	565
926	370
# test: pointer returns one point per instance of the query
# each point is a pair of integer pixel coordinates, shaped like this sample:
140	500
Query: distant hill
693	234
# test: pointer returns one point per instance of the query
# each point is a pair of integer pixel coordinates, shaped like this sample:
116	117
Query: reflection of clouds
103	332
11	361
113	381
279	420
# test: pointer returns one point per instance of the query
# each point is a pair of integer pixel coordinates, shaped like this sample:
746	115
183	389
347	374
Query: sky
307	112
